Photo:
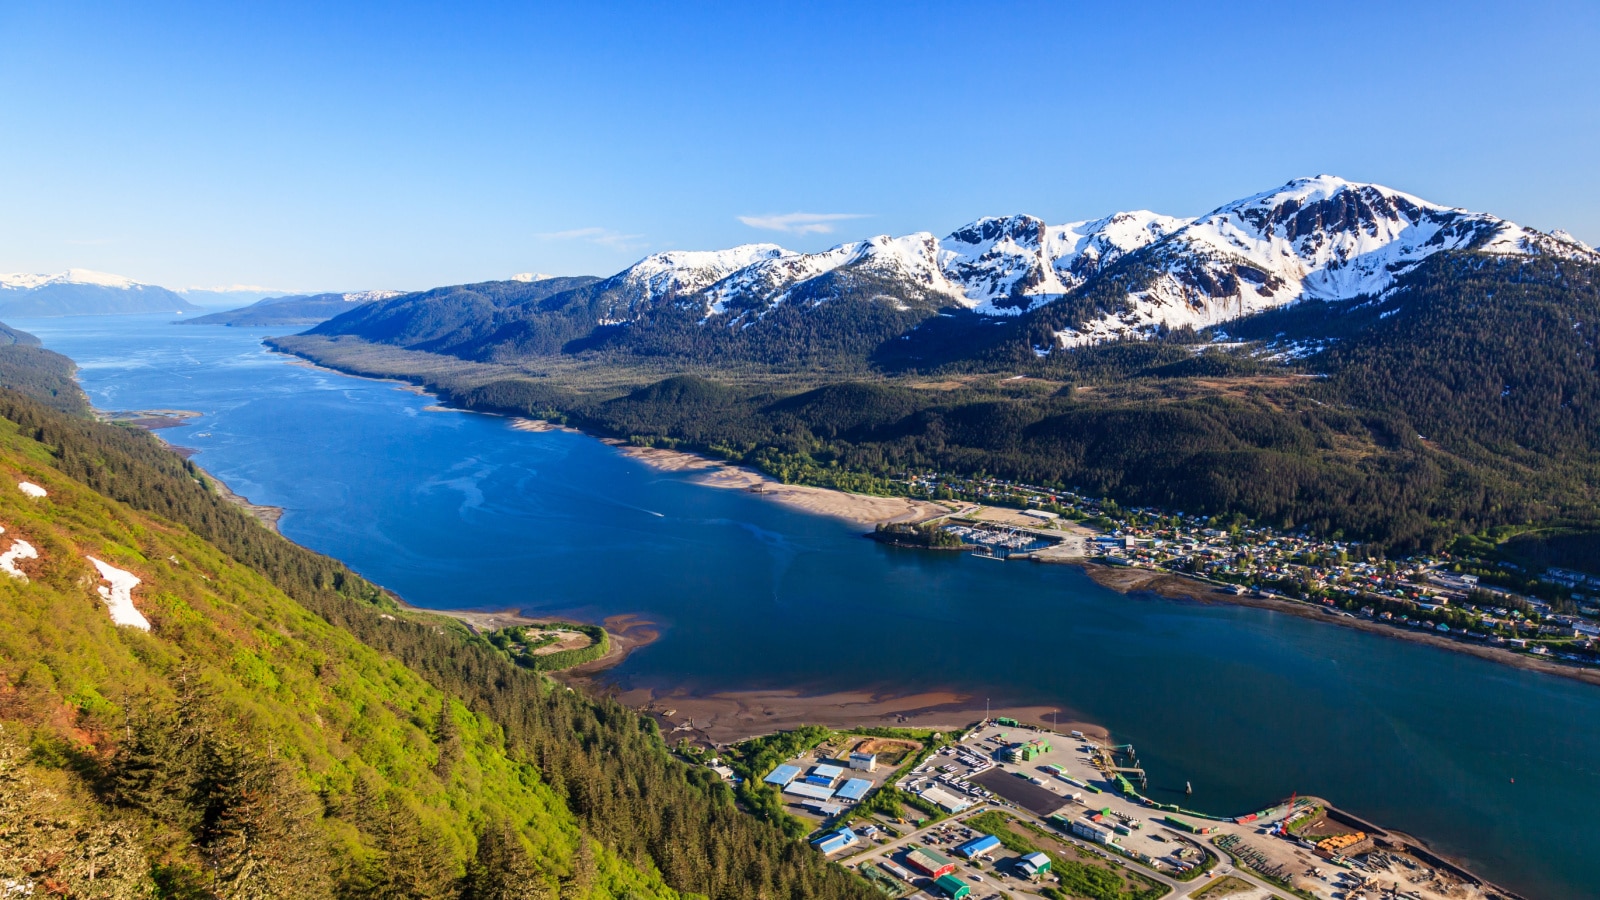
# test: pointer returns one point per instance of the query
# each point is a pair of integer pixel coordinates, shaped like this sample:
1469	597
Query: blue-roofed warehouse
819	780
782	775
828	772
854	789
979	846
833	843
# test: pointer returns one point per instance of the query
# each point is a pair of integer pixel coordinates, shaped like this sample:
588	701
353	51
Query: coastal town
1553	614
1009	809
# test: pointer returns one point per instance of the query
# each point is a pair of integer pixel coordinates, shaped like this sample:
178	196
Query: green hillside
285	730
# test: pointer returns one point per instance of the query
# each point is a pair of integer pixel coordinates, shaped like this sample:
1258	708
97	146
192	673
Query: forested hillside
28	368
283	729
1467	397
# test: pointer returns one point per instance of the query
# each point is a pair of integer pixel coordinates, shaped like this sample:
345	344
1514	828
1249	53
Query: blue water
457	510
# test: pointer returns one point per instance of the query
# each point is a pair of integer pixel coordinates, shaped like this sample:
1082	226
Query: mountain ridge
1129	275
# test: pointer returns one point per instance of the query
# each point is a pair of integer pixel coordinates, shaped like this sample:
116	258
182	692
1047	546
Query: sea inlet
1494	766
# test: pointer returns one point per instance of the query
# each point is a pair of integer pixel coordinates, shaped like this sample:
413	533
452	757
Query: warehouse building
866	762
830	844
929	862
980	846
947	801
1034	864
809	791
782	775
854	789
831	773
825	810
952	887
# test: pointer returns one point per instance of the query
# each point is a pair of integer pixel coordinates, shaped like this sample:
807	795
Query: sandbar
862	509
730	716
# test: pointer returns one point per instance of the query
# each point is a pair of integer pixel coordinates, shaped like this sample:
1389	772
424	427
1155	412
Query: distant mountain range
295	309
1131	275
80	292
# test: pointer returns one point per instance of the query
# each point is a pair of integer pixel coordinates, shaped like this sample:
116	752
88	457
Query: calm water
453	509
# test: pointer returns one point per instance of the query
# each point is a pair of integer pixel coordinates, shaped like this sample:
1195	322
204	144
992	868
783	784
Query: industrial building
952	887
946	801
854	789
832	773
1034	864
866	762
830	844
825	810
808	791
782	775
980	846
929	862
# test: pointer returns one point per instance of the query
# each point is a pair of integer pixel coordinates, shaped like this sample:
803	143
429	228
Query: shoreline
1175	586
865	509
626	632
151	420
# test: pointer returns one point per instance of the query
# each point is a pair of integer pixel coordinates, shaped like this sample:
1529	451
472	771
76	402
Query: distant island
294	309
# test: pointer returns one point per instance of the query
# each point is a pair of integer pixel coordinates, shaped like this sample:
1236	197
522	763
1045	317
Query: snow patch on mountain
369	296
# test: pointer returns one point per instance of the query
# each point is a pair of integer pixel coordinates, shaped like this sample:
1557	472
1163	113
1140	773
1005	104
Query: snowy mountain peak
1319	238
368	296
24	281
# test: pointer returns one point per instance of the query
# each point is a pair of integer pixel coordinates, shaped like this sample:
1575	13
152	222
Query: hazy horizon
402	147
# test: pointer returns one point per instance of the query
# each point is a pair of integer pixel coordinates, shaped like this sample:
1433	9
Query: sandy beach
862	509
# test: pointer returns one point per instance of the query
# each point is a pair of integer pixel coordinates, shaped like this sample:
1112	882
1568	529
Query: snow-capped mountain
676	273
1313	238
26	282
1318	238
78	292
996	266
1006	266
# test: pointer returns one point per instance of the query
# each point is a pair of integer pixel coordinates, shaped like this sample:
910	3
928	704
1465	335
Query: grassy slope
333	709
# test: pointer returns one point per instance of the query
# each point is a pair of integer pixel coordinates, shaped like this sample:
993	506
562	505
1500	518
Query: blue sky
343	146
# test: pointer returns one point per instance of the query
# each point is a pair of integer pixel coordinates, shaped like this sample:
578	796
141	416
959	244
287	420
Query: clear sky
345	146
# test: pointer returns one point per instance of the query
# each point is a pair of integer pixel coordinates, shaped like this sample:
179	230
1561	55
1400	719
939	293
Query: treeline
1363	476
511	641
605	763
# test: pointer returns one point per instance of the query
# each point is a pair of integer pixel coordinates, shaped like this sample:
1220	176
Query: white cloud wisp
800	222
